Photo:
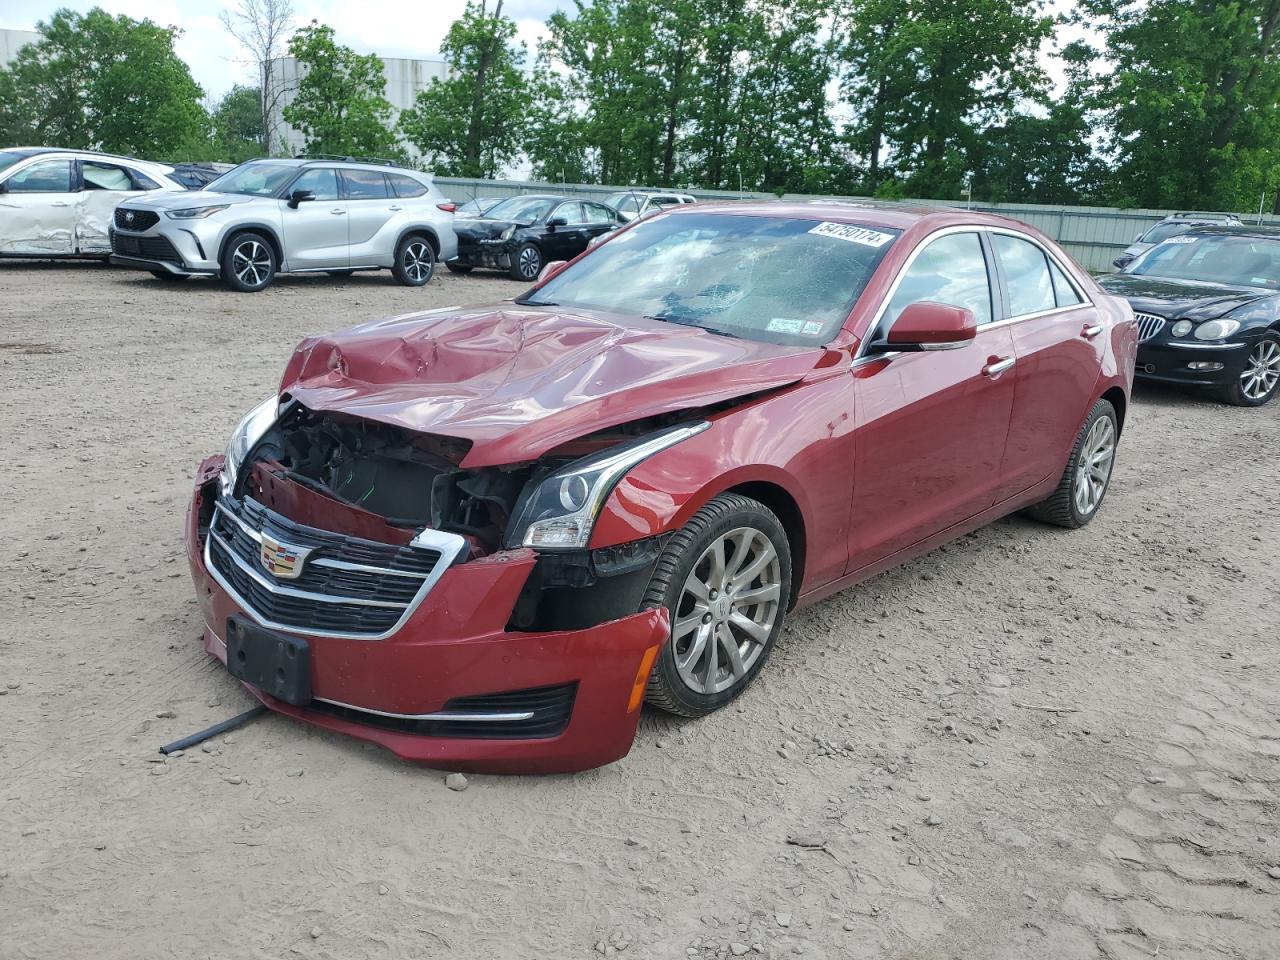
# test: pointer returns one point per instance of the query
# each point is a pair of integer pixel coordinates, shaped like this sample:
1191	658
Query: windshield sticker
783	325
846	231
1181	240
812	327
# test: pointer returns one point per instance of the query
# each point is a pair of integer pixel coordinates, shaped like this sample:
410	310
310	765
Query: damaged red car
483	537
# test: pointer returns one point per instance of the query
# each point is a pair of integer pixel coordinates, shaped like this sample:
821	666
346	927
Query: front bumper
176	250
487	254
1170	361
456	645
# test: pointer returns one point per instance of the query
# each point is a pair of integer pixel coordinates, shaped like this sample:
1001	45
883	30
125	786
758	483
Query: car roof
76	151
875	213
351	162
1265	231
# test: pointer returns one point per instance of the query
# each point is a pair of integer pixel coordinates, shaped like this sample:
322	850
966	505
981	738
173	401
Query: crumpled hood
519	381
157	200
482	229
1179	299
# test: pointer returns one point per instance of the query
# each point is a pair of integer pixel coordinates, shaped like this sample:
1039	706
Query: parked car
482	536
631	204
197	176
58	203
290	216
476	207
522	234
1171	226
1208	308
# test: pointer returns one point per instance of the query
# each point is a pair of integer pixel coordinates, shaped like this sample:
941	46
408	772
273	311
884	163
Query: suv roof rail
379	161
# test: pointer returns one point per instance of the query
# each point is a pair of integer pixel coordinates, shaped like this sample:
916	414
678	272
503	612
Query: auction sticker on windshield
847	231
1181	240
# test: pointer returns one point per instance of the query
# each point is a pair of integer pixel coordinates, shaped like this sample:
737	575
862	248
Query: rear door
599	220
931	426
102	186
38	201
369	203
1058	342
315	233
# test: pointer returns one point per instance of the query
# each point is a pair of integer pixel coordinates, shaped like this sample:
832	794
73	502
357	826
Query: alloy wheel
417	261
727	610
529	263
1262	371
251	262
1093	471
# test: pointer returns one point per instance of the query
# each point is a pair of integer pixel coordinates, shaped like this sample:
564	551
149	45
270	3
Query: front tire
1259	381
1087	478
526	262
415	261
726	579
248	262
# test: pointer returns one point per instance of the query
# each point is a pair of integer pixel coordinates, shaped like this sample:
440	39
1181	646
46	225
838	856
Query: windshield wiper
691	322
534	303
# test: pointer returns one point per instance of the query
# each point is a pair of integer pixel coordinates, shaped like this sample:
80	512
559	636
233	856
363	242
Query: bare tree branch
262	27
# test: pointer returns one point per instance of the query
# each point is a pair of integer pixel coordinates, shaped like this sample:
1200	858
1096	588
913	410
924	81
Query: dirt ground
1029	744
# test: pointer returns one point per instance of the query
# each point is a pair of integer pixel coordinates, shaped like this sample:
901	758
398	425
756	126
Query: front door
930	427
39	209
315	233
567	240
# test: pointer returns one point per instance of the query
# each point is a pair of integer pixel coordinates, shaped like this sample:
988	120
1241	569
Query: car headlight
1181	328
507	234
1217	329
247	432
196	213
561	511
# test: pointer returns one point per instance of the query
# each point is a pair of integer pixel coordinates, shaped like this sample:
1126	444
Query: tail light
447	207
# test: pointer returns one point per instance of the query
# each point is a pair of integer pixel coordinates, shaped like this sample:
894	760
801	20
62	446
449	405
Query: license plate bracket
274	662
128	245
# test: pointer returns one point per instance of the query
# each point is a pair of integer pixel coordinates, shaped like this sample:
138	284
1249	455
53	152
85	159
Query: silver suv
273	216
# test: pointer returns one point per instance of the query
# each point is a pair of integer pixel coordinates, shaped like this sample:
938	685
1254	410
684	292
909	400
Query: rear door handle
395	208
996	367
337	213
59	203
1091	331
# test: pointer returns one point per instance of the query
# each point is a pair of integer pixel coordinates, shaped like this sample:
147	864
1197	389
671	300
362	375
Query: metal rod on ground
213	731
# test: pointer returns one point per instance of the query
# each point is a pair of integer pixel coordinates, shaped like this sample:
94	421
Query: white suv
632	204
291	216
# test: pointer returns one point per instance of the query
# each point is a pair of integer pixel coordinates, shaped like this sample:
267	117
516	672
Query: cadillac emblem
282	560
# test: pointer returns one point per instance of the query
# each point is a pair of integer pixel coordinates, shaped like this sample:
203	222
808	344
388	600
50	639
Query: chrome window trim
938	234
454	716
448	545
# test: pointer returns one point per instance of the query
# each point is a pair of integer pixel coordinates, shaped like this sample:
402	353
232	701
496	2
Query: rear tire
463	268
1087	479
1259	381
248	262
526	262
168	277
726	579
415	261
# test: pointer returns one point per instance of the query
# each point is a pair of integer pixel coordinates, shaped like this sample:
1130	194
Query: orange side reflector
642	677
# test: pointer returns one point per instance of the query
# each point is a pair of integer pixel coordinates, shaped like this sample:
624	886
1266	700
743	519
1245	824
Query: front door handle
994	368
338	212
1091	331
59	203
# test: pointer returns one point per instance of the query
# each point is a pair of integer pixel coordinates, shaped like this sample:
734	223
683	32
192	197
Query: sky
390	28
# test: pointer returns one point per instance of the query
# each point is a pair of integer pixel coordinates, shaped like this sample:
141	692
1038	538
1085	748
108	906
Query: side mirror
558	222
932	326
299	196
551	269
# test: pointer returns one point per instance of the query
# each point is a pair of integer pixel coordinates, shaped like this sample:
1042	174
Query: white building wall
405	78
11	41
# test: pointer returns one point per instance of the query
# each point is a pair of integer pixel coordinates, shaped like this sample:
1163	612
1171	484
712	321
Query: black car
521	234
1208	309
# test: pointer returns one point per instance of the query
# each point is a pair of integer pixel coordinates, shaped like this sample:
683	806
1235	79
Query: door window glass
365	184
1064	293
1026	275
950	270
597	213
322	181
44	176
572	212
406	186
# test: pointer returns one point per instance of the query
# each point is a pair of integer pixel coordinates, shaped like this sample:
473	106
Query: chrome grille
347	587
1148	325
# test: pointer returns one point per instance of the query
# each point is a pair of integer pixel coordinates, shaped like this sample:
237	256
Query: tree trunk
471	155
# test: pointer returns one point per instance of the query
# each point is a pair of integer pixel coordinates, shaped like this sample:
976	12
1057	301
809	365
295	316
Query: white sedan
59	203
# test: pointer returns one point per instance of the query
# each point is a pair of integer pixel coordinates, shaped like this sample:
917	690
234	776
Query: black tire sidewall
743	513
399	271
228	271
1103	408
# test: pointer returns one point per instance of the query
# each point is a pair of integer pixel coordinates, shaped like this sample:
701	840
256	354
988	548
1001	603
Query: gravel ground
1030	743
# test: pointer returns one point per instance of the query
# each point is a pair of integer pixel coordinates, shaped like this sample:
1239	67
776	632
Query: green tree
1190	95
102	82
473	123
340	107
237	125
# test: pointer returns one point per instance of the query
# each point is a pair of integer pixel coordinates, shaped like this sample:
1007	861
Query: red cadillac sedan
483	537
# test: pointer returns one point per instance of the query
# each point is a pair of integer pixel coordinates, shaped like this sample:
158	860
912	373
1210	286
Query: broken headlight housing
247	432
561	510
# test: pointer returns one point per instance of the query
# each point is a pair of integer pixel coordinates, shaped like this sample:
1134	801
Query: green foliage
94	81
473	123
237	125
340	107
1190	100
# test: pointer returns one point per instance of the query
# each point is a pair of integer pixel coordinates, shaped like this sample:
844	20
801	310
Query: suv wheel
415	261
1258	381
526	262
726	578
248	262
